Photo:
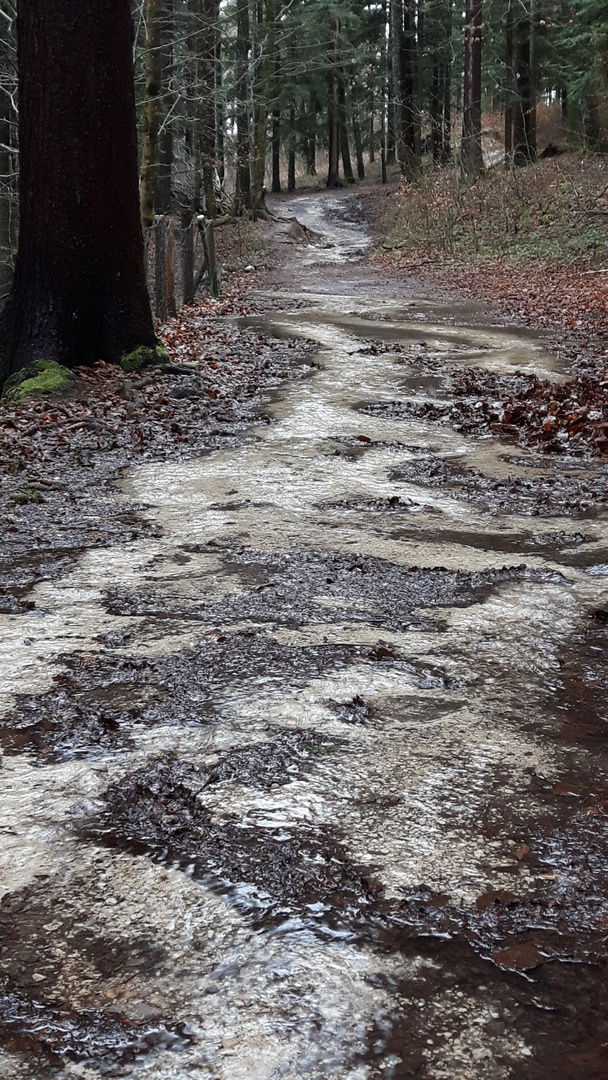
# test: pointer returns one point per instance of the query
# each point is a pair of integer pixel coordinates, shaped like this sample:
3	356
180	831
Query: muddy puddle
308	776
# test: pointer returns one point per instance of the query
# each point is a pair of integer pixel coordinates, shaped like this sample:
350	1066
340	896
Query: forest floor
304	668
532	246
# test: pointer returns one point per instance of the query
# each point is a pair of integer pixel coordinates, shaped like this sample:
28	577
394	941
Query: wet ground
308	777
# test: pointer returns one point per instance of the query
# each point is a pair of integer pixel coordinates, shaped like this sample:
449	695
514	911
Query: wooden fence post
170	269
160	291
188	227
215	287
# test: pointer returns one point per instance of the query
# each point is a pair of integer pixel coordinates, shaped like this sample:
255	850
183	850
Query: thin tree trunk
471	152
276	150
219	107
311	142
523	149
149	142
349	176
193	97
333	112
509	83
242	195
393	148
291	156
436	112
356	126
372	138
207	107
276	99
162	195
418	64
410	163
6	254
79	293
262	80
446	79
534	74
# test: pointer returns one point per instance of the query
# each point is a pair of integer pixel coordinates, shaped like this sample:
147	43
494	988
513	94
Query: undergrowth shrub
555	209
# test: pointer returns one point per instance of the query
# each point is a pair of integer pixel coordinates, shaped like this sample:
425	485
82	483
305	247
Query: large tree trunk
471	152
149	142
80	292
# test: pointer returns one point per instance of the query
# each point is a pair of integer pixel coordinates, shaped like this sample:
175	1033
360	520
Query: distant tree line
235	96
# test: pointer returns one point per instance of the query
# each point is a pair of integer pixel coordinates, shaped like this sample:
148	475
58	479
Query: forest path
347	818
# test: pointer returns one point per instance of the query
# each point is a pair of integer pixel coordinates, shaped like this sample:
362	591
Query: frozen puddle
279	768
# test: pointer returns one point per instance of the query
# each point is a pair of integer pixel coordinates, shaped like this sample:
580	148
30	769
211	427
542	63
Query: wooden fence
179	257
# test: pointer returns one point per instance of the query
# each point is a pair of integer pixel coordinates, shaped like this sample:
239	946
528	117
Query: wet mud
577	494
319	587
308	776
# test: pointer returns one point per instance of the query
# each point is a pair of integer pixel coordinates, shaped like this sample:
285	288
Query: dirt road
311	782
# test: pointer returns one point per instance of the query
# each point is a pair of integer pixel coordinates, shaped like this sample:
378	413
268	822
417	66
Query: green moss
27	495
41	377
144	356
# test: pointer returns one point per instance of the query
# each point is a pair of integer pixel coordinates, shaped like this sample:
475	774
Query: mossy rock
40	377
144	357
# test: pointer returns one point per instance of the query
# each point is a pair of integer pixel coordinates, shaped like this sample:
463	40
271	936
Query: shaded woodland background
247	95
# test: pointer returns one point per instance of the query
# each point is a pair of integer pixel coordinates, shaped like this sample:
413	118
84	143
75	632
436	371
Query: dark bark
263	50
80	292
471	152
276	106
510	91
436	112
149	142
291	150
356	126
162	195
311	142
242	195
439	77
394	37
524	149
193	99
410	161
207	106
333	114
446	83
349	176
276	150
6	216
219	108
